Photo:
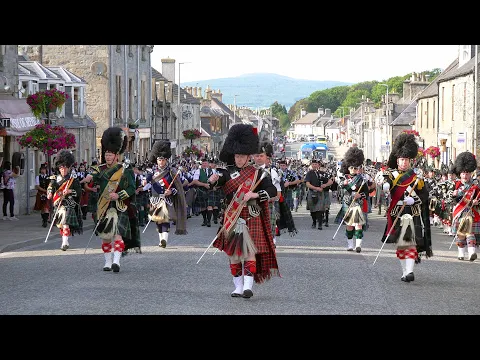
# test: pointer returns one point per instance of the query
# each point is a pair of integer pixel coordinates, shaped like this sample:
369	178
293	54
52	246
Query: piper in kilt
167	202
42	204
466	211
65	190
215	195
354	201
93	195
318	203
290	181
116	210
408	206
246	234
262	161
200	179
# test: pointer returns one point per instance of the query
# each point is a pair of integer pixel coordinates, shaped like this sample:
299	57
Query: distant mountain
260	90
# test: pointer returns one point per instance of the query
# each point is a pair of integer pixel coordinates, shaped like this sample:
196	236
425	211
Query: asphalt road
318	277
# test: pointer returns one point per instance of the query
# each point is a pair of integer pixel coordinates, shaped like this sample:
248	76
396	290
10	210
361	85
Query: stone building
119	85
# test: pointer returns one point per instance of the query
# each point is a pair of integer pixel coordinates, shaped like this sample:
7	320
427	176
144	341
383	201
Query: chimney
217	95
168	69
208	93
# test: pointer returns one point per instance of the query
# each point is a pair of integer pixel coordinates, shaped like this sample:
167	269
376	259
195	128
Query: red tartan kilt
84	198
259	229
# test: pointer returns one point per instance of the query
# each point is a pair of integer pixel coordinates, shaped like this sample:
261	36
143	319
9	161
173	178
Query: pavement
28	231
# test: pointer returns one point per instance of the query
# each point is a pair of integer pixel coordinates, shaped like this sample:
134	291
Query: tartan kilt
288	196
475	228
201	200
261	234
214	197
320	204
84	198
273	215
124	228
73	219
92	202
142	199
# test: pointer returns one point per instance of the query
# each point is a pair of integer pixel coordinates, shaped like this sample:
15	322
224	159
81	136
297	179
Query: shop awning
16	117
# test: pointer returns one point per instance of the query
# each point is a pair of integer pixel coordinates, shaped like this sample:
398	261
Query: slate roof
224	107
407	116
186	98
432	89
71	122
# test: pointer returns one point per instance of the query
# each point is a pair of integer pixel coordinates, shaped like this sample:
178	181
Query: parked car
311	137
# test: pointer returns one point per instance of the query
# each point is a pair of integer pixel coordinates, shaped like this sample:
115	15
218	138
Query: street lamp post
180	124
386	113
234	107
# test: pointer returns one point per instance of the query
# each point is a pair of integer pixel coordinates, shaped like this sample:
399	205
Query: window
76	101
443	104
118	97
434	115
426	120
130	50
144	58
465	101
118	49
130	98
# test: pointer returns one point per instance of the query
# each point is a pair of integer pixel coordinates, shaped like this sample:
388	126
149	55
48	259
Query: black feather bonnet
265	147
114	140
404	146
160	148
465	162
241	139
64	158
353	157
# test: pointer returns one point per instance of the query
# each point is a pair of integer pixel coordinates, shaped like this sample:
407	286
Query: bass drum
18	159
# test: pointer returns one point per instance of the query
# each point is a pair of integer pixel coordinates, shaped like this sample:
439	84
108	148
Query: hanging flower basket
414	132
47	139
421	153
192	150
433	152
43	102
191	134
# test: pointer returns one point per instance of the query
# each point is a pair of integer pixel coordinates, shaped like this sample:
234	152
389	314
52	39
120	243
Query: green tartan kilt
73	219
143	198
124	228
92	202
273	216
202	198
214	197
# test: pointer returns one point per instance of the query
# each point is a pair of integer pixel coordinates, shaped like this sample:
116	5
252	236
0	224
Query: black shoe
215	221
314	225
84	217
358	249
234	294
44	223
115	267
320	228
189	216
204	223
473	257
163	244
326	224
247	294
106	268
142	224
409	277
461	258
209	224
